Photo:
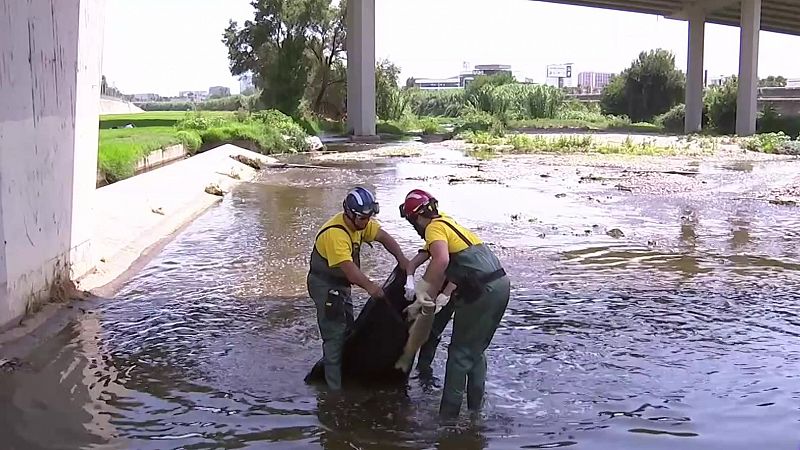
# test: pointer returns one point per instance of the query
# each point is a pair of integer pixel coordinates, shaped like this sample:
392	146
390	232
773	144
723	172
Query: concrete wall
50	54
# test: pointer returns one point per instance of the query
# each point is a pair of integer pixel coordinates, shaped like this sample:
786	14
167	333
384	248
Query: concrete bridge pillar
50	57
746	106
361	68
694	71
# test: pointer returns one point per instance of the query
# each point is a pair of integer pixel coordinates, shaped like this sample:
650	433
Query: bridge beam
50	90
361	68
694	71
746	106
707	7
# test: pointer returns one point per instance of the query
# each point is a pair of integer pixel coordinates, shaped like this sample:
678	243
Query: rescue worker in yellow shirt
335	265
481	295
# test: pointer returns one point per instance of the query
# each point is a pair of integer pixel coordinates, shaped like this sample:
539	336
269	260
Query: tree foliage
391	103
649	87
276	45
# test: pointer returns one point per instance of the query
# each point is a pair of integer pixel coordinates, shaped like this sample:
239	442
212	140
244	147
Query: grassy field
120	148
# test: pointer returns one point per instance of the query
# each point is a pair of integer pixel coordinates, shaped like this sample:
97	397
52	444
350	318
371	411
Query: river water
683	333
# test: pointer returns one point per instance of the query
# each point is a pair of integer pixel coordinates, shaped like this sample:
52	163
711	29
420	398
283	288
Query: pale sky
166	46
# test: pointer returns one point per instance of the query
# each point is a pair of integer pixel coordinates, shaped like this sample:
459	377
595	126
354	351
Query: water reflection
681	332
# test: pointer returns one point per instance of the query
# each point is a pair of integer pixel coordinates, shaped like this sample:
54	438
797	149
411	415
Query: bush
720	106
767	142
480	121
673	121
446	103
429	125
284	124
649	87
190	139
268	140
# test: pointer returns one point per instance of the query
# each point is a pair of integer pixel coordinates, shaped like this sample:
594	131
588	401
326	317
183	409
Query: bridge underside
779	16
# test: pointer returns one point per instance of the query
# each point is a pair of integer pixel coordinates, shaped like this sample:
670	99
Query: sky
166	46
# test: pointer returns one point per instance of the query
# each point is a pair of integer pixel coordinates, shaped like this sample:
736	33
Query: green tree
720	106
327	87
274	48
391	103
649	87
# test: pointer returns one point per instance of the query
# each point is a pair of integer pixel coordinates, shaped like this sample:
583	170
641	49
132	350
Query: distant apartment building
193	95
219	91
590	82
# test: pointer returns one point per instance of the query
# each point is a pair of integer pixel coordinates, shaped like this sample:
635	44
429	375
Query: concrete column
361	68
694	71
50	54
746	106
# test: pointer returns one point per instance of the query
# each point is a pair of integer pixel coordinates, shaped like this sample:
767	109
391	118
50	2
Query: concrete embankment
133	219
137	213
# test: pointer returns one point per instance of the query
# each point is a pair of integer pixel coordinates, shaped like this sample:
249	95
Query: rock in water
314	143
375	341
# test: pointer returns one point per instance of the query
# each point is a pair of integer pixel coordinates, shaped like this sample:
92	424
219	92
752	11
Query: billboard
559	71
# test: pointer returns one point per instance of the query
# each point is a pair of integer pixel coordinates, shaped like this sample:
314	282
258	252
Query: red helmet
418	202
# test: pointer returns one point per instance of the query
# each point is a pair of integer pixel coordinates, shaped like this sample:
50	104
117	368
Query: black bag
375	341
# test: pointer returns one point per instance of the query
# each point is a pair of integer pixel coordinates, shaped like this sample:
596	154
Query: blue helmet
360	202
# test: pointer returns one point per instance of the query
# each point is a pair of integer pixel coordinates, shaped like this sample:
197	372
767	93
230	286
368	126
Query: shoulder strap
341	227
459	233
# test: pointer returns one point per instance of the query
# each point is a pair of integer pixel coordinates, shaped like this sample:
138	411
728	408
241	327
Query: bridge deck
779	16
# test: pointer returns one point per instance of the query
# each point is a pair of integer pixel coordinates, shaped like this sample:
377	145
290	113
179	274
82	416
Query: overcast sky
166	46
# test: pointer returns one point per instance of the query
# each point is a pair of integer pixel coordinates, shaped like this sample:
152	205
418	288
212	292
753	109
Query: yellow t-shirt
336	246
437	230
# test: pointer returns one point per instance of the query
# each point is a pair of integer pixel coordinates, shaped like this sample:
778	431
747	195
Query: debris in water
9	365
515	217
213	189
158	211
254	163
623	188
590	177
474	178
561	195
542	235
545	175
615	233
783	202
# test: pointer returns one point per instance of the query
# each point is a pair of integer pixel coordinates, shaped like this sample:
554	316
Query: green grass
488	146
585	125
121	148
154	119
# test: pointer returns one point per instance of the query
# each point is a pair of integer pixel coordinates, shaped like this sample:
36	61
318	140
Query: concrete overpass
50	61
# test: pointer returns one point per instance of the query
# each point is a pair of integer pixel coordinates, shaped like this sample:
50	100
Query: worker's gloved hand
409	287
420	306
421	289
441	301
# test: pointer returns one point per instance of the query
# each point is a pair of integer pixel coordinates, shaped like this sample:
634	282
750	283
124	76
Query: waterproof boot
474	326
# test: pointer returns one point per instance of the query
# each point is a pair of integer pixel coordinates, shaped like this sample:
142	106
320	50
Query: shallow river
682	334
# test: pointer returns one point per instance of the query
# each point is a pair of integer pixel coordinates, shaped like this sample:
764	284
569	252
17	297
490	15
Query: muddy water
683	333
